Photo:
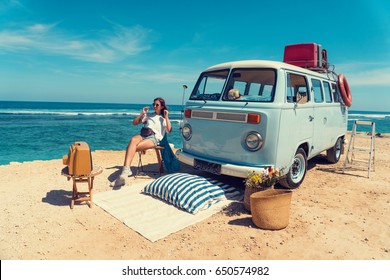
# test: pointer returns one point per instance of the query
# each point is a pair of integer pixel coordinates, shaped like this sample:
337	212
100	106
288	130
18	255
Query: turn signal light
253	118
187	113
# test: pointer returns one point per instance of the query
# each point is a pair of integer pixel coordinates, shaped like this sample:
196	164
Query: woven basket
270	209
248	191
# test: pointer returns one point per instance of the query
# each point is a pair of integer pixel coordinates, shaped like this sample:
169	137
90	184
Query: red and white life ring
344	90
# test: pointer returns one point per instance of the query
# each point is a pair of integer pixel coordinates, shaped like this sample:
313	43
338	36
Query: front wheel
297	171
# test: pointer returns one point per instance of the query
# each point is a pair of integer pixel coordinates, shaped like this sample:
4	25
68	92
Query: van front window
210	85
251	85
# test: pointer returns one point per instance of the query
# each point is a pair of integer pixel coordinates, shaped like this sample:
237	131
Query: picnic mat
152	218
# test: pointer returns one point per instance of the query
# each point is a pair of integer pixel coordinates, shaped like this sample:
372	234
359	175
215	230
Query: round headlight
253	141
186	132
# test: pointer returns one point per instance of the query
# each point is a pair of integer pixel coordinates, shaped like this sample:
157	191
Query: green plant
264	179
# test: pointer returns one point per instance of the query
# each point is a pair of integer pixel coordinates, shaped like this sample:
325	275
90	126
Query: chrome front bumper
226	168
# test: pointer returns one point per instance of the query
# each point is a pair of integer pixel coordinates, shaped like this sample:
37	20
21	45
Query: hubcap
338	148
297	168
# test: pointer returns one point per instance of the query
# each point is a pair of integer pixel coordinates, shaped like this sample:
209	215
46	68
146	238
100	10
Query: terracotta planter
271	208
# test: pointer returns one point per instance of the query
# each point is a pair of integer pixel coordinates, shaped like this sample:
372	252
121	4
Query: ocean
45	130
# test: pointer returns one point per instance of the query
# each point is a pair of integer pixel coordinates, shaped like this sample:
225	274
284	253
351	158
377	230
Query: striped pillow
189	192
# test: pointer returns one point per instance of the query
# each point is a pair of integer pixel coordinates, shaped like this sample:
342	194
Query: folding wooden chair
160	164
78	196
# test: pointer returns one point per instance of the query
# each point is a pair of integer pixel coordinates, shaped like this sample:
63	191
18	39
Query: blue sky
133	51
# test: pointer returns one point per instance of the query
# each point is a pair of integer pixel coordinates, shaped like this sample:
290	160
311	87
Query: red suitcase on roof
307	55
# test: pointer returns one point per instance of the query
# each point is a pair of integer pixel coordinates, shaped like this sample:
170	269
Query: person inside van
234	94
153	131
301	97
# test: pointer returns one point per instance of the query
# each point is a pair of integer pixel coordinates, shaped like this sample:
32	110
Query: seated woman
155	127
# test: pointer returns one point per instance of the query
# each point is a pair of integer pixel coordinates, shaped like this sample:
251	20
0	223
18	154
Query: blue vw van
246	115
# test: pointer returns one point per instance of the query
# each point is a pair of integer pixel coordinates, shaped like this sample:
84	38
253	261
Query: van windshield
257	85
210	85
249	85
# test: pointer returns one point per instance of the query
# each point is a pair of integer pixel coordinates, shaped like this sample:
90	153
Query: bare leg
136	144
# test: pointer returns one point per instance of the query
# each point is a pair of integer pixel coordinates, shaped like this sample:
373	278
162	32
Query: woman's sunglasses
156	105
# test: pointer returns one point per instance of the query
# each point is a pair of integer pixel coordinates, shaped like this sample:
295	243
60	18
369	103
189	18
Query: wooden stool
157	149
82	196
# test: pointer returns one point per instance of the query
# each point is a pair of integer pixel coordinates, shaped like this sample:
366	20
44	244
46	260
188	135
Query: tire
297	172
333	154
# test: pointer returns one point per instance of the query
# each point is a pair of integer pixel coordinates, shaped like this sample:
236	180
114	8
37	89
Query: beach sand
334	216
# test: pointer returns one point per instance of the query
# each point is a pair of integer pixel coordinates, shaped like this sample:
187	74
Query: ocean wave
369	116
72	113
174	115
66	113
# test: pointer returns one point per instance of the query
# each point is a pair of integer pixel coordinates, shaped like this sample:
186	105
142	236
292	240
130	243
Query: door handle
311	118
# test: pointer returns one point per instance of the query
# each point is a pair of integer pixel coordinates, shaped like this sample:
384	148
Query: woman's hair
162	102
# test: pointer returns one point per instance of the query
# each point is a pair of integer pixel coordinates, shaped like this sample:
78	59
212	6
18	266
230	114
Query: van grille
202	114
231	117
221	116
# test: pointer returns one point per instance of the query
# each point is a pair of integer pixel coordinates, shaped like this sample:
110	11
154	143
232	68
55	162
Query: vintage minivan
244	116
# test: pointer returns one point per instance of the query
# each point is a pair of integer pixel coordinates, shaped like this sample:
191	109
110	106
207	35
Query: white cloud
10	4
376	77
154	76
130	41
367	74
172	77
11	41
159	73
40	28
49	39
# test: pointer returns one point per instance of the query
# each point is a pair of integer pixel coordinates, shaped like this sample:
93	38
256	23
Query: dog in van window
234	94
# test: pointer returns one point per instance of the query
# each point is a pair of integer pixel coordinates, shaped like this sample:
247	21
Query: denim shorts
153	138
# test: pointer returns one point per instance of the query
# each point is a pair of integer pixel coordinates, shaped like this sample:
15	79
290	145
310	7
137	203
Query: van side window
336	94
328	92
317	89
297	89
241	86
254	89
266	90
